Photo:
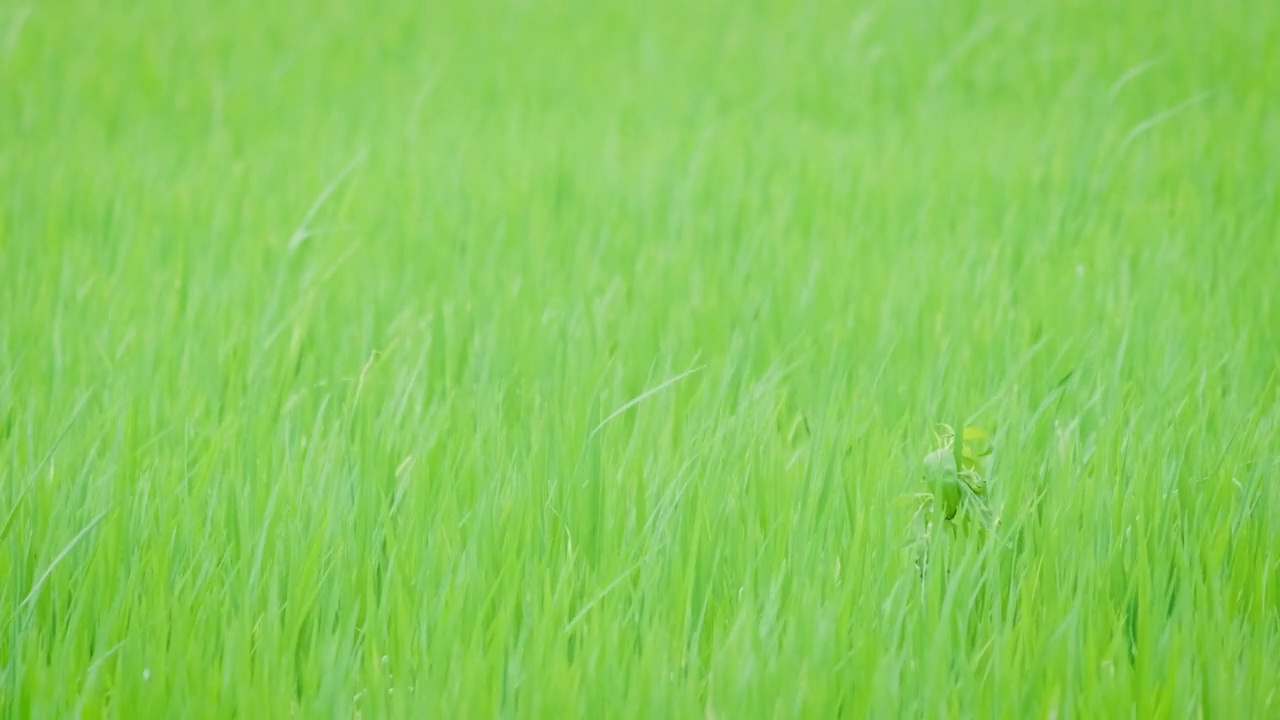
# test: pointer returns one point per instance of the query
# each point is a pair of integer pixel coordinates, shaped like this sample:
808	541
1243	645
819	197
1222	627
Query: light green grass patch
570	359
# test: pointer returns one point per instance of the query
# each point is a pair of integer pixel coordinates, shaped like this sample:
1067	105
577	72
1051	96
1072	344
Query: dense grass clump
561	358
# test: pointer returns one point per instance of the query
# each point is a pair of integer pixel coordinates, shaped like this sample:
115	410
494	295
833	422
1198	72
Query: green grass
314	319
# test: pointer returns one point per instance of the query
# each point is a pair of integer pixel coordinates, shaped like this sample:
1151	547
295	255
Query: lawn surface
565	358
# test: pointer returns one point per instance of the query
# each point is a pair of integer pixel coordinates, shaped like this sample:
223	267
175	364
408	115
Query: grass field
559	358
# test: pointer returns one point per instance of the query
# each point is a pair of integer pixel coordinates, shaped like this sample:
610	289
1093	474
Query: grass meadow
572	358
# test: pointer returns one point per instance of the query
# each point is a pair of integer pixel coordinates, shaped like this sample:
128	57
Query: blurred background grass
342	292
